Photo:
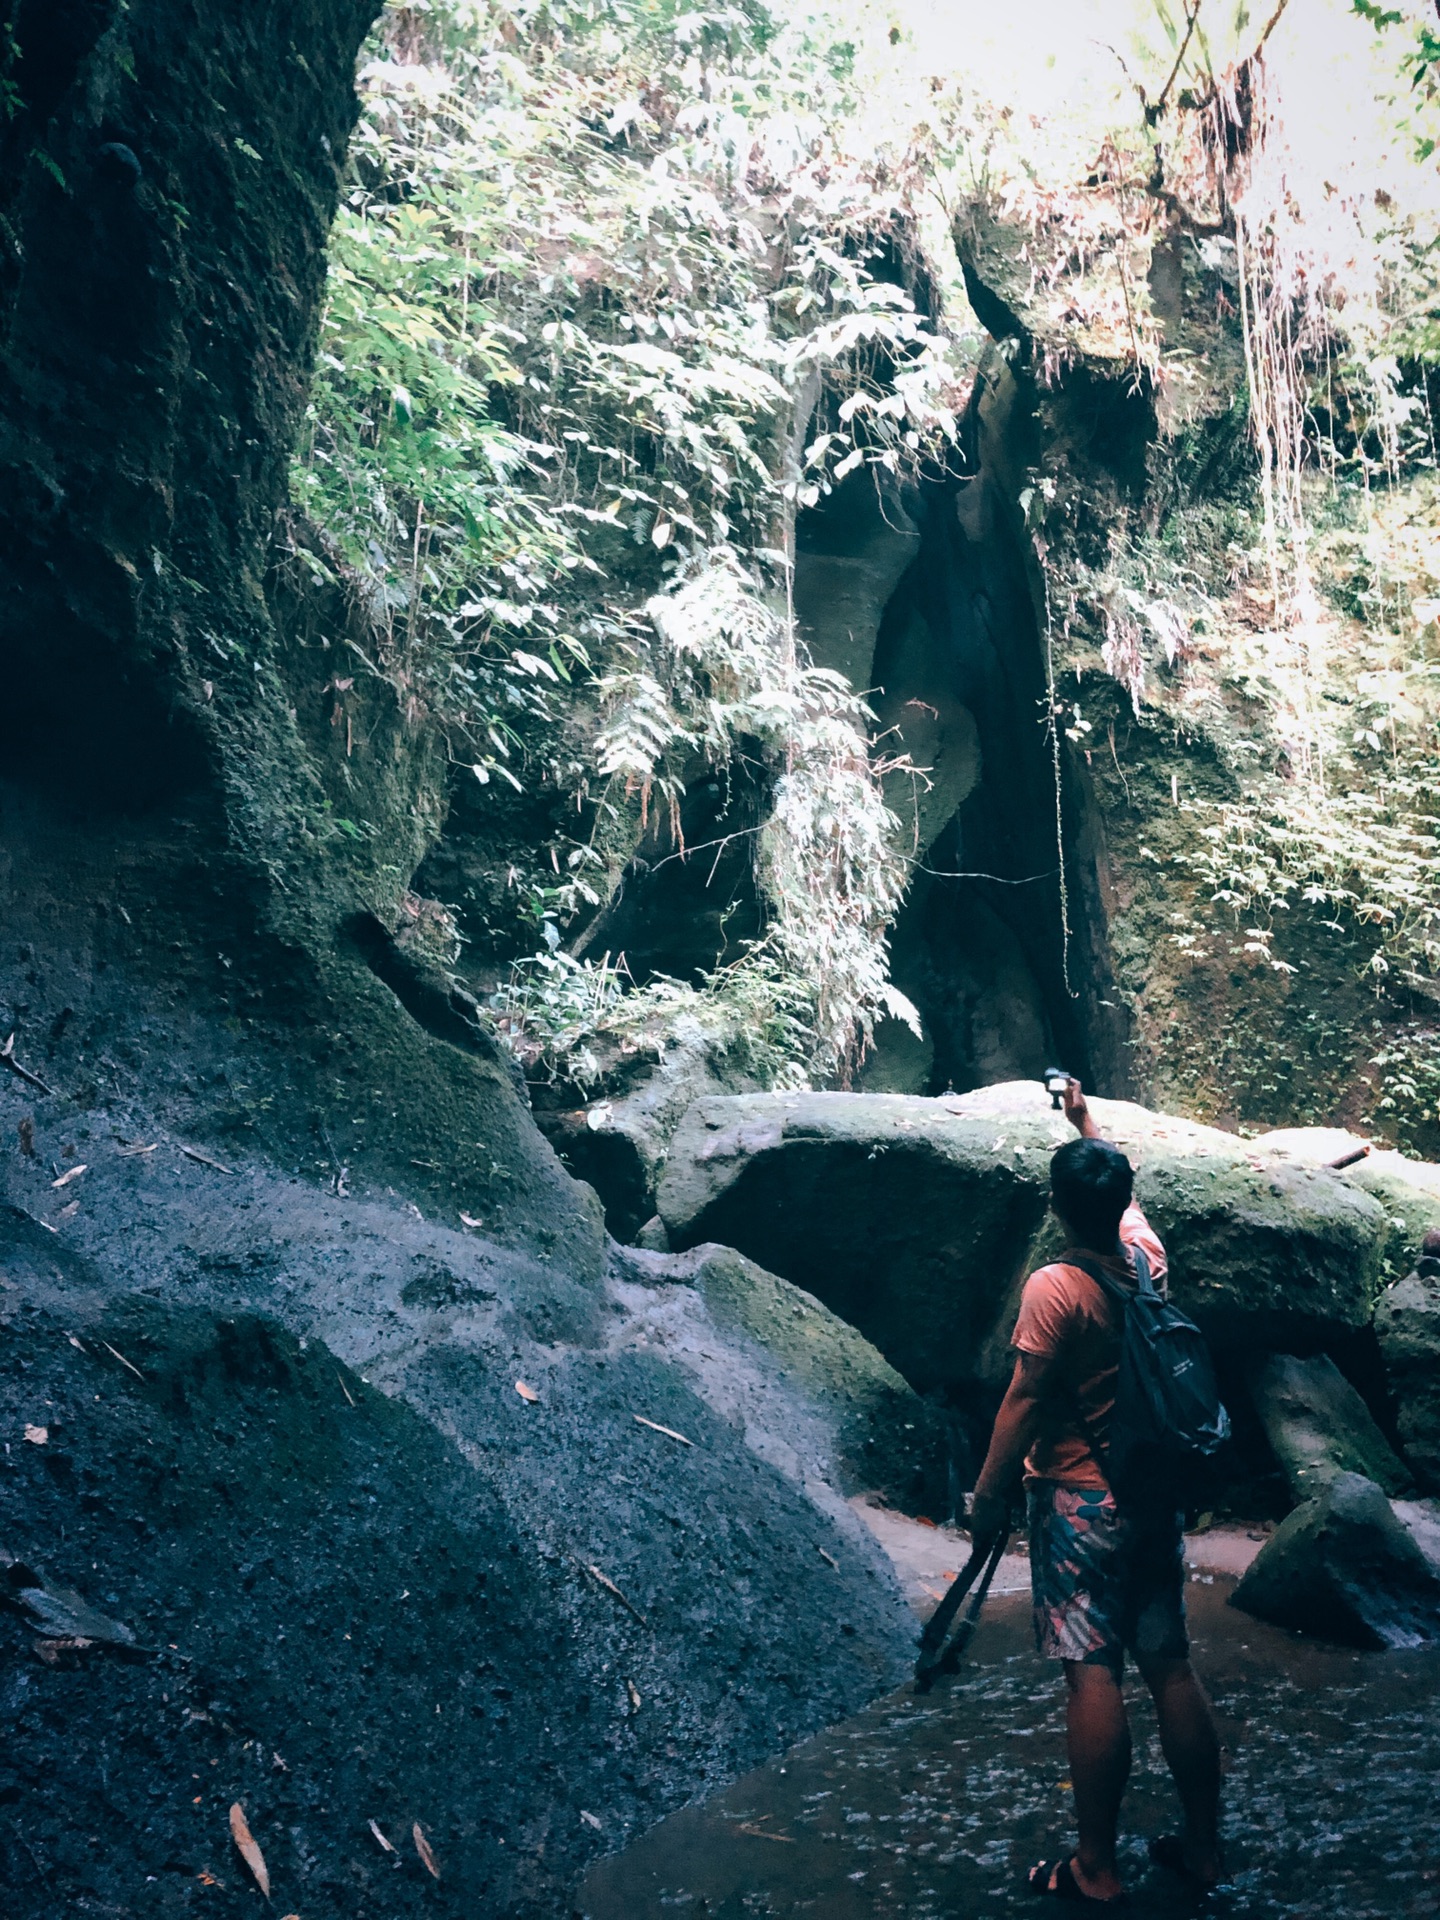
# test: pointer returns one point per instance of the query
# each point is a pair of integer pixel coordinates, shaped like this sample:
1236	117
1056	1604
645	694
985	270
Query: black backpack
1168	1423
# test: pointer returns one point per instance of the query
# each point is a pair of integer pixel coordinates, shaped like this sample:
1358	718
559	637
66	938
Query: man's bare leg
1099	1742
1191	1745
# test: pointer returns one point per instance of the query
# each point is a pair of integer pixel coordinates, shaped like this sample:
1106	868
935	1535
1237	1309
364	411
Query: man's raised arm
1078	1114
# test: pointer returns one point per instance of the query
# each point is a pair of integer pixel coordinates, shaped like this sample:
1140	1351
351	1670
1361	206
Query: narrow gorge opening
926	596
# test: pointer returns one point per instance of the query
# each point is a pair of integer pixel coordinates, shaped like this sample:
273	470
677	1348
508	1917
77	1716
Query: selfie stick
935	1655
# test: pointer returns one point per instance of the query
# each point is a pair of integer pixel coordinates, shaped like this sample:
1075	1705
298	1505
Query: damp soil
933	1808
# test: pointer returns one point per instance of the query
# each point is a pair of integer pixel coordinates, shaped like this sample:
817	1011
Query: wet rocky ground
932	1809
276	1435
274	1382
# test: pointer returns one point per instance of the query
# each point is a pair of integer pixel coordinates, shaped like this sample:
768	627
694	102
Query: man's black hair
1091	1184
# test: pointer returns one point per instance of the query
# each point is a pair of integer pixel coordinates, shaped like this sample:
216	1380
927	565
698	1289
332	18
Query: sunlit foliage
594	264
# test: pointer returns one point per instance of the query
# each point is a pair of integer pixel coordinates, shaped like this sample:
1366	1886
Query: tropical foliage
591	260
618	287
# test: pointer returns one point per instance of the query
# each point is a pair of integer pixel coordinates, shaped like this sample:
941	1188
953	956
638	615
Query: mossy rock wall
918	1219
1136	486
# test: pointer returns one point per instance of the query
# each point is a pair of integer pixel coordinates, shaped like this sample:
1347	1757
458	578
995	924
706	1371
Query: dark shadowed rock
850	555
1407	1325
1343	1567
1319	1426
897	1212
917	1219
311	1490
617	1140
867	1430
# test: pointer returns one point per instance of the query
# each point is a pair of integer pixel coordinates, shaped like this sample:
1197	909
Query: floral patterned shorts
1103	1581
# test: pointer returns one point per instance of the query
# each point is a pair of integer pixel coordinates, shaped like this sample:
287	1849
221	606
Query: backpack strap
1118	1292
1116	1289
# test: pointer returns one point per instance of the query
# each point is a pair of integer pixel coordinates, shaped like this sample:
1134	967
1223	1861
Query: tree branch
1154	110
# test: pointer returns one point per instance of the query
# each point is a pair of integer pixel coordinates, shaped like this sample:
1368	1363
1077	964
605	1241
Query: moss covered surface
916	1219
889	1441
1125	440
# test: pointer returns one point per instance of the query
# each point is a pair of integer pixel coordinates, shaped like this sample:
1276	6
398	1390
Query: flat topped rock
1409	1190
1321	1146
1129	1125
1319	1427
916	1219
1407	1327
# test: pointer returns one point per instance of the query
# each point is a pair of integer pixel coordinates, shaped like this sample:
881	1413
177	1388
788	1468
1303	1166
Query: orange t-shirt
1064	1312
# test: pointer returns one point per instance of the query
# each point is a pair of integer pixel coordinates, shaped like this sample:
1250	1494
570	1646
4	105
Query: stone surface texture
314	1476
1319	1426
869	1431
618	1140
917	1219
1343	1567
1407	1326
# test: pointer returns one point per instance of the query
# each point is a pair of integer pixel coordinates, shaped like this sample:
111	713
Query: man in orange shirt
1103	1579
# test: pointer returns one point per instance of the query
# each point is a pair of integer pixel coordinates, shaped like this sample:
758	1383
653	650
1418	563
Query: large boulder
336	1464
917	1219
1319	1427
616	1139
1407	1326
1343	1567
904	1216
810	1394
1408	1190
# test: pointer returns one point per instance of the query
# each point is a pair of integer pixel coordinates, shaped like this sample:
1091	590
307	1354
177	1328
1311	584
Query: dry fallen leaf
50	1650
525	1393
37	1436
590	1820
422	1847
829	1558
469	1220
669	1432
634	1693
68	1213
126	1153
130	1364
194	1153
7	1055
73	1174
380	1837
610	1587
249	1852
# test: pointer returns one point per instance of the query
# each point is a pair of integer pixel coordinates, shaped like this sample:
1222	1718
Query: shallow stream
931	1808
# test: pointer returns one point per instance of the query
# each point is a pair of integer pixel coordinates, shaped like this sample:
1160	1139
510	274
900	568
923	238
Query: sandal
1169	1852
1057	1878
